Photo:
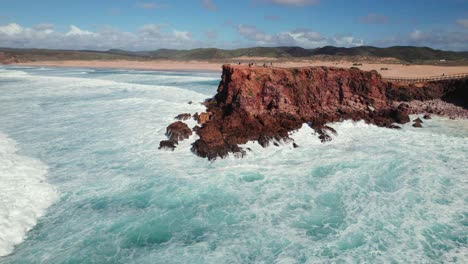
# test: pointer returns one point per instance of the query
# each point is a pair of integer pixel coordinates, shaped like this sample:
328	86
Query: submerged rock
167	144
185	116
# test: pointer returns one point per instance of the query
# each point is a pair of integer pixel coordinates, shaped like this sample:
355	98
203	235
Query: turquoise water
81	170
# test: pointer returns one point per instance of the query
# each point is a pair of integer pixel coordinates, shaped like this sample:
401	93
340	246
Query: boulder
167	144
427	116
178	131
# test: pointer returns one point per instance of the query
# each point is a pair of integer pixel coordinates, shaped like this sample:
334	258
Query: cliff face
262	104
452	91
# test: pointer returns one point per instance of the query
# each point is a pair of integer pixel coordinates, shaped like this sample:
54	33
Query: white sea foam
372	195
24	194
66	85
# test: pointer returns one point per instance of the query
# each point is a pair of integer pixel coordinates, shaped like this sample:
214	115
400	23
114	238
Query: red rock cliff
261	104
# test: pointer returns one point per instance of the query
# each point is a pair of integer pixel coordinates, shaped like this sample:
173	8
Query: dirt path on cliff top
394	70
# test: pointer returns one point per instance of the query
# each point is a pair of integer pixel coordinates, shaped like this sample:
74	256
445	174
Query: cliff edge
261	104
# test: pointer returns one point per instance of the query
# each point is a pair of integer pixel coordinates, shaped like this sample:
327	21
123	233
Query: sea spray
24	194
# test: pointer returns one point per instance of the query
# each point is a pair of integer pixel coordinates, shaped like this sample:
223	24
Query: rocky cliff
261	104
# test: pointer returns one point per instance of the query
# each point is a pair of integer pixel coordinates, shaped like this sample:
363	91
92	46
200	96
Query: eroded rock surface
265	104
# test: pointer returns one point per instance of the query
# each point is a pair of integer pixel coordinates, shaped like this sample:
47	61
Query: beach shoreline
385	69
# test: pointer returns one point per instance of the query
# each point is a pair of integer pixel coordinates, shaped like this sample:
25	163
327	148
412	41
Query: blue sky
147	25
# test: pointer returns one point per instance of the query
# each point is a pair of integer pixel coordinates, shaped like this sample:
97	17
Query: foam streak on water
24	194
372	195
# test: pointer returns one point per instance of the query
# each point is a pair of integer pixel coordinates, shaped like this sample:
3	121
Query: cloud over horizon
436	39
147	37
156	36
305	38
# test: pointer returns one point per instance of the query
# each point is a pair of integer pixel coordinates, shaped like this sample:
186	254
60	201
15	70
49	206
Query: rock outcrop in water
265	104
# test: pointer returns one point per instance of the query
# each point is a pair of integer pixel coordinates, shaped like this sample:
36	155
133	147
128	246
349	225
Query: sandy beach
394	70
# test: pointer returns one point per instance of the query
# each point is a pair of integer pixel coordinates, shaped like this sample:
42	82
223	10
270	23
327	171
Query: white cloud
347	41
294	3
416	35
45	28
147	37
76	31
182	35
300	37
11	29
463	22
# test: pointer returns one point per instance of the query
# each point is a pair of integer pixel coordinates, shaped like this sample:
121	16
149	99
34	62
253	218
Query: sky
185	24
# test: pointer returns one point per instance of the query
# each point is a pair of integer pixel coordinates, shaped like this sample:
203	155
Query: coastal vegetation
404	54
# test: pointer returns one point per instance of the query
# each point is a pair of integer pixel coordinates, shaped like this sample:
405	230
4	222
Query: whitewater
82	181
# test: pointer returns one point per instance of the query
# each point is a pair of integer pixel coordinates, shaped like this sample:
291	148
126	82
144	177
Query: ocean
82	181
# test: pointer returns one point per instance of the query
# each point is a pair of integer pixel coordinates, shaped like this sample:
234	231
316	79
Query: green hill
404	53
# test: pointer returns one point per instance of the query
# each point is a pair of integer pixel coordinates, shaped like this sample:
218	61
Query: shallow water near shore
92	186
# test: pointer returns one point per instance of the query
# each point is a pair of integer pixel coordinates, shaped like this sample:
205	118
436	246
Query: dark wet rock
196	116
295	145
178	131
417	125
196	128
185	116
167	144
394	126
427	116
325	137
264	141
330	129
401	118
418	120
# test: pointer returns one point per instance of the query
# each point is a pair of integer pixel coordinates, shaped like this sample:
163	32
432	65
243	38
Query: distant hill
403	53
24	55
